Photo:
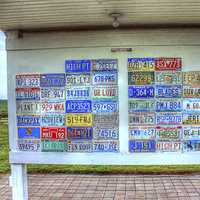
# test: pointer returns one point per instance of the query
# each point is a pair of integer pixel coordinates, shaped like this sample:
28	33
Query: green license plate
54	146
140	78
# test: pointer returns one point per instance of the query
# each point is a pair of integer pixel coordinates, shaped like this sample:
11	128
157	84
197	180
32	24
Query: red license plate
56	133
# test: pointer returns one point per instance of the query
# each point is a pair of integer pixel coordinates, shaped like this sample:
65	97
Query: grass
85	169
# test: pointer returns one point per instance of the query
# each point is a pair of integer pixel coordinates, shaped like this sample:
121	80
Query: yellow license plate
80	119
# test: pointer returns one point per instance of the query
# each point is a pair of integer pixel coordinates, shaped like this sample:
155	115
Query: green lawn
4	165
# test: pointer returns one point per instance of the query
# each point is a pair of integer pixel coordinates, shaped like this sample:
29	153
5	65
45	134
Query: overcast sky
3	72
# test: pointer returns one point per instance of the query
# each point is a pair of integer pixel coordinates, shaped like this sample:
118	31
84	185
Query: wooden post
19	182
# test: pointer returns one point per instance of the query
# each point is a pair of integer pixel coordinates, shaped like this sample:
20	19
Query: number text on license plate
53	133
80	119
104	78
168	105
141	105
78	79
31	120
53	120
77	65
52	80
80	146
140	78
168	77
105	92
191	105
191	92
191	78
141	118
104	64
191	132
77	133
100	106
105	146
106	133
27	80
54	145
168	91
168	146
78	106
28	145
77	93
53	107
168	118
52	93
168	133
28	94
191	118
142	146
27	107
141	133
141	64
140	91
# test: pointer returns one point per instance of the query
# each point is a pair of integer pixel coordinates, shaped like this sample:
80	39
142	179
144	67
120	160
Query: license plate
141	133
140	78
191	145
104	64
27	80
168	133
166	146
168	91
142	146
141	64
191	105
191	92
106	120
169	105
78	93
191	78
104	106
29	107
52	94
105	92
163	64
78	106
104	78
141	105
141	118
30	120
191	132
106	146
164	78
53	107
80	119
52	80
53	120
80	146
77	65
141	91
29	132
78	79
28	145
191	118
168	118
27	93
106	133
77	133
53	133
54	145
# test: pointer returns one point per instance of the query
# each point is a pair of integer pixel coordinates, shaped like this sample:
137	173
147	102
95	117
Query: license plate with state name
80	146
168	146
141	133
104	78
106	133
191	118
27	107
107	92
53	107
104	106
141	92
53	133
27	80
140	78
104	64
141	64
77	133
142	146
168	118
53	120
27	93
54	145
77	66
28	132
141	118
52	94
28	120
52	80
80	119
29	145
168	78
169	105
191	132
78	79
77	93
168	91
105	146
141	105
168	133
78	106
191	78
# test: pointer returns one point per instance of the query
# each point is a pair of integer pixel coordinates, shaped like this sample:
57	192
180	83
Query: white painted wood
19	182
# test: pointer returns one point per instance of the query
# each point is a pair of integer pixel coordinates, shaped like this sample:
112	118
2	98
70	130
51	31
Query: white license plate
106	120
28	94
141	133
53	107
27	80
106	133
141	118
168	77
168	118
104	78
191	105
80	146
191	132
106	146
104	106
105	92
169	105
52	93
53	120
141	105
28	145
168	146
78	79
27	107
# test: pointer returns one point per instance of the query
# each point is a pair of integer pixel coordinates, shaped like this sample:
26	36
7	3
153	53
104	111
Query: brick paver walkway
108	187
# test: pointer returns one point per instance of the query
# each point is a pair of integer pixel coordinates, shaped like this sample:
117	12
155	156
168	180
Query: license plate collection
74	111
163	106
78	110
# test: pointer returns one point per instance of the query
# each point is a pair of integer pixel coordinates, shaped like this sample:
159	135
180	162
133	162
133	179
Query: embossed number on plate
168	118
53	107
27	107
191	118
53	133
142	146
169	105
191	105
78	93
106	146
168	91
78	106
142	133
140	91
80	119
191	132
53	120
191	78
191	92
77	65
78	79
54	145
27	93
168	133
104	64
52	80
166	146
102	106
80	146
141	118
77	133
168	77
141	105
29	145
104	78
140	78
52	94
107	92
27	80
106	133
29	120
141	64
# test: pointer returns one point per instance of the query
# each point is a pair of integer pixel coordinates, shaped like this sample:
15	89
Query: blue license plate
142	146
29	132
75	93
106	146
191	145
140	91
77	66
52	80
78	106
77	133
103	106
104	64
168	105
168	91
28	120
104	78
168	118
